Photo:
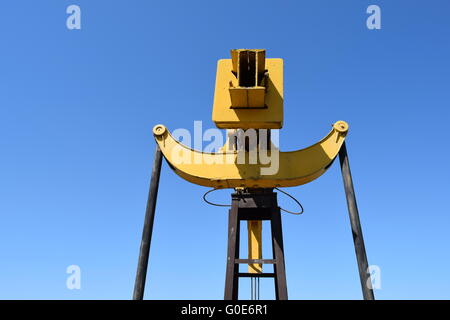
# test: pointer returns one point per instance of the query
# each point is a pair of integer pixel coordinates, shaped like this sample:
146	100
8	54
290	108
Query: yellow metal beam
250	99
223	170
254	244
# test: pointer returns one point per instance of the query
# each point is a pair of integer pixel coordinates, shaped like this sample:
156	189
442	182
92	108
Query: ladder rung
256	275
256	261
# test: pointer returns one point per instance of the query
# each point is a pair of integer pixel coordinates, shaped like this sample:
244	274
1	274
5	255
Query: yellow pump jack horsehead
249	95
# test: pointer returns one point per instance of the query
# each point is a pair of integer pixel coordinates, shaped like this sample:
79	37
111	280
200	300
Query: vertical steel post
278	255
358	239
141	273
231	277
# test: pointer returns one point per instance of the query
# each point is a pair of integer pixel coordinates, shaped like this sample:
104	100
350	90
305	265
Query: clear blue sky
76	149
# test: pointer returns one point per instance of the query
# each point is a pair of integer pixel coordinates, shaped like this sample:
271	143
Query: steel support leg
278	255
231	278
358	239
141	273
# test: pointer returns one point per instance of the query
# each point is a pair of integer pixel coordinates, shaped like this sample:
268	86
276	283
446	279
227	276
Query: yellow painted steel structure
222	169
249	95
254	228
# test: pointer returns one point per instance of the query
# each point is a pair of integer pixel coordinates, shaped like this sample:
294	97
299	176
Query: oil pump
248	103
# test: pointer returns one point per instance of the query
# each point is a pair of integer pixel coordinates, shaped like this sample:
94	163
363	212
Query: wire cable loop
298	202
212	203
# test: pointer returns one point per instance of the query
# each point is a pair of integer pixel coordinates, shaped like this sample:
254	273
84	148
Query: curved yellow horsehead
249	95
223	170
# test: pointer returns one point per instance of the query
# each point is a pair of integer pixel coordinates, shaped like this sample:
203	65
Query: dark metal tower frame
261	205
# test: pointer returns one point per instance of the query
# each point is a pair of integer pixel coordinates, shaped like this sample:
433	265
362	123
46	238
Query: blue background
76	148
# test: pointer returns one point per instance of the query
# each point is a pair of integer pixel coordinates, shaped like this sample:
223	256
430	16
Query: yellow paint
249	95
257	105
254	244
248	85
221	170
